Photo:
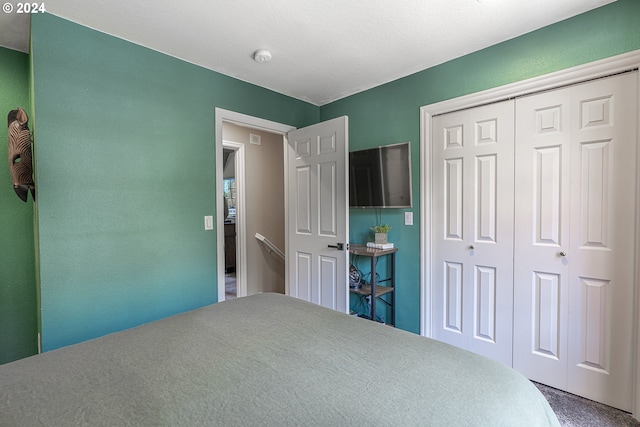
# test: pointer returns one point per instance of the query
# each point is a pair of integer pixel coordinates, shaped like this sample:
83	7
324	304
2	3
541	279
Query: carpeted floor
230	286
575	411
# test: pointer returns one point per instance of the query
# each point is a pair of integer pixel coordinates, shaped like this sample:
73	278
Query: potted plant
381	232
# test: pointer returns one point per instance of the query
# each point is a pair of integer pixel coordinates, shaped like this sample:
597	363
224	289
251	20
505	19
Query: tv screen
380	177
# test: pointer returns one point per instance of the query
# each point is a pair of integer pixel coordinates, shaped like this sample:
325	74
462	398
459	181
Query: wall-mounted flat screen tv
380	177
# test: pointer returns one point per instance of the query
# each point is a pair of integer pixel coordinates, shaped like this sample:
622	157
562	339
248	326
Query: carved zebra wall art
20	164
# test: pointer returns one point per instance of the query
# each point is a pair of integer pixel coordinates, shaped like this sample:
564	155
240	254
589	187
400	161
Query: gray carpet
230	283
576	411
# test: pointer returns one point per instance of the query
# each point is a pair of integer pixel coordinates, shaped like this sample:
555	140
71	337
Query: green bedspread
267	360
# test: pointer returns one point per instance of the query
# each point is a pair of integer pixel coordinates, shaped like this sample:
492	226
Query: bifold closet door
542	218
575	255
473	191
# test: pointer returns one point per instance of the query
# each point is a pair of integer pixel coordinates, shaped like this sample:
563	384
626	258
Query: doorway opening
245	145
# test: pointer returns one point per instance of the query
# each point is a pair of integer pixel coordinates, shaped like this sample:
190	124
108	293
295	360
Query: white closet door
574	275
542	217
602	257
473	189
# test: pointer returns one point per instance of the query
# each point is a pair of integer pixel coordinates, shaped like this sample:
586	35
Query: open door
318	214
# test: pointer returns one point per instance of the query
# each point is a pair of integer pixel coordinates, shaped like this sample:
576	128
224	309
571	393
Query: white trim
285	155
241	218
425	224
593	70
244	120
580	73
635	409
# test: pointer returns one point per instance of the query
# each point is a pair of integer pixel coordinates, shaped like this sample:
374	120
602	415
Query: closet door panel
603	256
575	255
473	244
541	272
546	318
451	288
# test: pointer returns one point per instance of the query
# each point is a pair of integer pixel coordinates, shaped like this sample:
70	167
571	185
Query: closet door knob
562	253
471	247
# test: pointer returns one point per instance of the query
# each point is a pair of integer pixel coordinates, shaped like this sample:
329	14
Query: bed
268	360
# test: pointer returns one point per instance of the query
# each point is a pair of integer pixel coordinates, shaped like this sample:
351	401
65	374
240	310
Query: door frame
244	120
601	68
241	218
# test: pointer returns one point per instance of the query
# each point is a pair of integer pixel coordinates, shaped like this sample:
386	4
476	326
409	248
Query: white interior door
575	254
318	216
472	268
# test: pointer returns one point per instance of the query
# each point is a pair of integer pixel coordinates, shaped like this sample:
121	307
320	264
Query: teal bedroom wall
125	172
125	155
18	314
390	113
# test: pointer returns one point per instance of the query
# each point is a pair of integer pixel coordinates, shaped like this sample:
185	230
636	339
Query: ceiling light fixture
262	55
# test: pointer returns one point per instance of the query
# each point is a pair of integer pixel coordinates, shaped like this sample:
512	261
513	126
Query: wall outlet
208	222
408	218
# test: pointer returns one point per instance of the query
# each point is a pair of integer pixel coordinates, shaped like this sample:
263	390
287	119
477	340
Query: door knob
471	247
562	253
338	246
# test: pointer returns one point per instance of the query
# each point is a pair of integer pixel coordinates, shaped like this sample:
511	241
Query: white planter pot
381	238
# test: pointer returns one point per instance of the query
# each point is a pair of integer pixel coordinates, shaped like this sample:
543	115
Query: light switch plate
208	222
408	218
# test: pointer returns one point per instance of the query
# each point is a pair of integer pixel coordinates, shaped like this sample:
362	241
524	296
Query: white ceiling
322	50
14	30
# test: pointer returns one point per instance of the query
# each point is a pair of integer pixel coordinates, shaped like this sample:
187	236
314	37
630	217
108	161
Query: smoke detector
262	55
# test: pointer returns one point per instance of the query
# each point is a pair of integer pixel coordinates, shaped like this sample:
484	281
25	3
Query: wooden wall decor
20	164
